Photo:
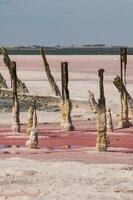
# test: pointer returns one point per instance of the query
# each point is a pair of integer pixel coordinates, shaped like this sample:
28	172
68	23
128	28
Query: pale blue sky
66	22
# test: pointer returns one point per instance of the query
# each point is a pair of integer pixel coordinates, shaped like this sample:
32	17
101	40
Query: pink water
84	63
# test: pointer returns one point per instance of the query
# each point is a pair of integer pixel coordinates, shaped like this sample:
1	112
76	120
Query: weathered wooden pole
123	121
15	105
30	120
121	88
53	85
109	121
93	106
66	105
35	108
2	82
31	111
32	143
102	142
21	87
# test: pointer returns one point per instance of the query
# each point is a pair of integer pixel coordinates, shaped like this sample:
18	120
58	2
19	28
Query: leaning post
15	105
66	105
101	142
54	86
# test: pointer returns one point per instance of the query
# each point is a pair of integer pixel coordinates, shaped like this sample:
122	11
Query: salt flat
26	179
23	179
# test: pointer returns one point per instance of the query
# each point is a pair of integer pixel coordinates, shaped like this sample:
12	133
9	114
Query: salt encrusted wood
53	85
66	105
121	88
21	87
15	105
93	106
102	141
30	120
109	121
123	120
32	143
2	82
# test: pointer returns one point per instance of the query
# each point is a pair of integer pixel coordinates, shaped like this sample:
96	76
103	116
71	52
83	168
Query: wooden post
121	88
2	82
21	87
15	106
30	120
102	142
32	143
93	106
123	121
109	121
53	85
66	105
31	111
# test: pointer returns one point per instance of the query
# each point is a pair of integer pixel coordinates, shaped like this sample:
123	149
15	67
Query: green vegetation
71	50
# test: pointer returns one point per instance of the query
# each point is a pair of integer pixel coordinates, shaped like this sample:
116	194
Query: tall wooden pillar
123	121
15	105
66	105
101	142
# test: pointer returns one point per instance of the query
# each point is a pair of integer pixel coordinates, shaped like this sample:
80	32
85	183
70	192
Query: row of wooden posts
66	107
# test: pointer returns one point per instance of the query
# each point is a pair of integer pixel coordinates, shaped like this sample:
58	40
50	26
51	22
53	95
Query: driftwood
53	85
21	87
66	105
15	105
2	82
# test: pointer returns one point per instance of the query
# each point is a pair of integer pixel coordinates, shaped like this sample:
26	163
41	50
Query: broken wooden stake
109	121
30	120
102	141
31	111
66	105
32	143
121	88
93	106
15	105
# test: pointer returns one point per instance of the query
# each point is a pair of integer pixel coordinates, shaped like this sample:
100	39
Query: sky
66	22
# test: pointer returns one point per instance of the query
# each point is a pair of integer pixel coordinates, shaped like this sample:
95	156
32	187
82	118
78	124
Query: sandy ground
26	179
77	173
